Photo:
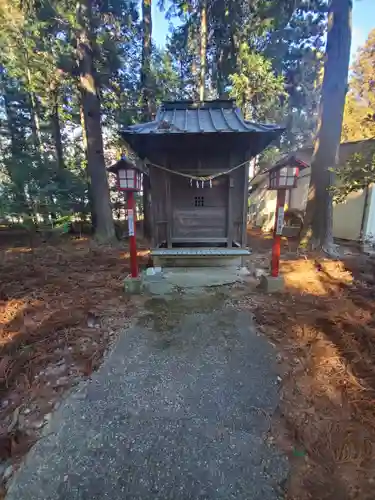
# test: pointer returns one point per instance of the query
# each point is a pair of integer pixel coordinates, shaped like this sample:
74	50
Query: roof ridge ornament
165	125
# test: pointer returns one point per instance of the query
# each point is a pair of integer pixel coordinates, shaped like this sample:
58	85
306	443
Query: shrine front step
199	257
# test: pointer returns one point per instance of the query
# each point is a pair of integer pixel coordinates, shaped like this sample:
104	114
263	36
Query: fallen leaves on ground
60	306
323	325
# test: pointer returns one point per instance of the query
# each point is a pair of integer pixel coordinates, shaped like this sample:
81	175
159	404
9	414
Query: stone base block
269	284
133	286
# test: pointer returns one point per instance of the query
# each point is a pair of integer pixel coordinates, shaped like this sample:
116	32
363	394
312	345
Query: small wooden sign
131	222
280	221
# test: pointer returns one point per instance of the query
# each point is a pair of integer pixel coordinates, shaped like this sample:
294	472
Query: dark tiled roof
188	117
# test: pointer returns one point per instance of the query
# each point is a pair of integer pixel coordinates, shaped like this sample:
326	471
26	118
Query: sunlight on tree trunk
203	54
147	101
146	59
35	117
317	230
56	129
104	230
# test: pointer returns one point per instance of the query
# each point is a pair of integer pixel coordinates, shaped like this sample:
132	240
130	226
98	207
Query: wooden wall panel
209	221
237	202
199	223
206	221
158	205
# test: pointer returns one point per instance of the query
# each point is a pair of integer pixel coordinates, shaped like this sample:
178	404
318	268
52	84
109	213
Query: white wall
347	216
264	203
299	196
369	228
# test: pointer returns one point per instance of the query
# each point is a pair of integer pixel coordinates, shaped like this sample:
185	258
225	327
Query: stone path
179	410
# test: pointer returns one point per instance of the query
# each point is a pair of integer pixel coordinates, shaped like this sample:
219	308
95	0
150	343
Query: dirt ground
324	327
61	304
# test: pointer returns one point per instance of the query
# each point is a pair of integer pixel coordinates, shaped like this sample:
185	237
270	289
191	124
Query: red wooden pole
132	240
277	233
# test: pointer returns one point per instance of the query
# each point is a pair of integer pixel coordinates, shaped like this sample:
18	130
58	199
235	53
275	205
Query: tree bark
35	121
219	73
14	174
85	163
147	102
318	220
147	105
56	129
104	231
203	52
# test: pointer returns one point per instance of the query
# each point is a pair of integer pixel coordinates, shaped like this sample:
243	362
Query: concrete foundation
196	261
133	286
269	284
190	279
199	257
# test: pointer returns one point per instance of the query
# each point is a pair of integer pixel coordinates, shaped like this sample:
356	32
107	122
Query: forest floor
61	305
324	327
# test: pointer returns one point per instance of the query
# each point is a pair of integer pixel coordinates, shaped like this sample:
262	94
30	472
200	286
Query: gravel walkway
179	410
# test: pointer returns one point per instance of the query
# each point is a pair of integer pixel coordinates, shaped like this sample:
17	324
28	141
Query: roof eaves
212	120
241	121
227	122
201	129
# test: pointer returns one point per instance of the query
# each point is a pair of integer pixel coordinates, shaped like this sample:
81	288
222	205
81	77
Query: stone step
201	252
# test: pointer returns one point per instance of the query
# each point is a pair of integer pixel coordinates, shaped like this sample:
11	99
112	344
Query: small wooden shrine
198	157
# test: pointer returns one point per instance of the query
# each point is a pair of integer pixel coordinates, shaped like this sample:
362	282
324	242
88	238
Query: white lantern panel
290	181
284	172
122	174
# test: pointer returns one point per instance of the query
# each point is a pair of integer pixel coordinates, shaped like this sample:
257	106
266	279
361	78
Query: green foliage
43	167
289	35
358	173
359	117
296	49
267	54
257	90
359	124
64	220
165	83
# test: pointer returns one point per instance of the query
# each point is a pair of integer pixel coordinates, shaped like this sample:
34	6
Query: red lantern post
132	237
129	180
277	233
282	176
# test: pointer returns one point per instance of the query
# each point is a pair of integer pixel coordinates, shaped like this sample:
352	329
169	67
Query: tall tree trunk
56	129
147	102
220	87
194	49
15	175
203	51
35	120
85	163
104	231
147	105
182	83
318	220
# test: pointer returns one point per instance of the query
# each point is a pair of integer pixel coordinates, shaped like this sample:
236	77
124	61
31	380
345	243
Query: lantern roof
288	161
124	164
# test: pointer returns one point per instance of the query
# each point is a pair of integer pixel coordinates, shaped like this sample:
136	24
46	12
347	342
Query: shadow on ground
180	409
